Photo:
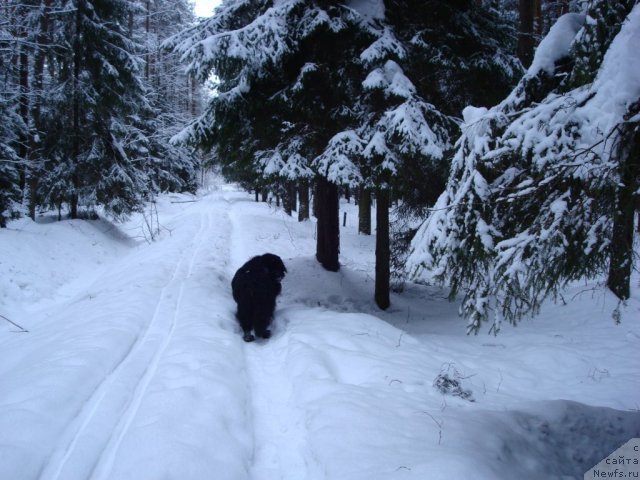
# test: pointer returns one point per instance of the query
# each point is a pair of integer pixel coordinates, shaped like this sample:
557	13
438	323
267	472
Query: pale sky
204	8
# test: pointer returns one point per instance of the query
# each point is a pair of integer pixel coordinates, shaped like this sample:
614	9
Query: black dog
255	287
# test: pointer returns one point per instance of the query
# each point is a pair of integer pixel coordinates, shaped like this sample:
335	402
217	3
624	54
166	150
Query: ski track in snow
89	447
280	438
87	435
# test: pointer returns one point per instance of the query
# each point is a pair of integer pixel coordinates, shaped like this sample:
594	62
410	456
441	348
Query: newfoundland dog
255	287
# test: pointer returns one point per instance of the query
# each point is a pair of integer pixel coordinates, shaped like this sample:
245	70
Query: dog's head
275	265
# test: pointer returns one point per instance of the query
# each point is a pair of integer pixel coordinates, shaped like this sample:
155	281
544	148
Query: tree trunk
147	28
328	214
383	269
24	108
303	194
38	83
77	52
526	35
621	262
287	201
293	195
290	197
364	212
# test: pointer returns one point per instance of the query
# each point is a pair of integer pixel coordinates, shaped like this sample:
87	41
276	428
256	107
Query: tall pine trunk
621	262
303	195
290	197
77	53
530	29
364	211
383	255
24	108
328	215
38	84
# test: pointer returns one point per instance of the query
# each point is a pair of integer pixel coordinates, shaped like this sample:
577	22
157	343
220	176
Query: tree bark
77	60
383	255
526	35
364	212
287	200
23	109
328	215
38	83
303	195
621	262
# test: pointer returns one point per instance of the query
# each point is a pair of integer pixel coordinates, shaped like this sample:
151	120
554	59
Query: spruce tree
95	140
541	187
283	94
9	162
409	116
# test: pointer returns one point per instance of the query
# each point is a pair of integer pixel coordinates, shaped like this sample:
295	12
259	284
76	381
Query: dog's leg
262	319
245	316
266	333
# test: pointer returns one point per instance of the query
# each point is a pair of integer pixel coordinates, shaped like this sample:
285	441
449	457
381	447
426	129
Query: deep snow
134	368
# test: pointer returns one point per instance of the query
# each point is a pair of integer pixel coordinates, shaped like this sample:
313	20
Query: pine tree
96	143
409	123
283	95
540	190
13	128
289	107
9	162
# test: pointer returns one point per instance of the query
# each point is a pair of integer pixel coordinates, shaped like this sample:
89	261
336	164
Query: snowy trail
141	373
168	309
281	449
118	396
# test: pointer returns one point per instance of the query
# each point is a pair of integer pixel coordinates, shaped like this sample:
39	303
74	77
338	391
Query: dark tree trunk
383	269
289	197
147	28
526	35
364	212
77	60
292	191
38	82
24	109
286	200
622	236
314	200
303	194
328	214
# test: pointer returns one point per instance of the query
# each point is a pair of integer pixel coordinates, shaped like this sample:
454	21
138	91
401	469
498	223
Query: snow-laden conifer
537	180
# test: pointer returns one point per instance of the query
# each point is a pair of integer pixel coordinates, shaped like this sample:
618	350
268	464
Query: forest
319	240
498	140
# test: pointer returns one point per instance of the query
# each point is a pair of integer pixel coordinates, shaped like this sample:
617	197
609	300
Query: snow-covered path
107	415
280	449
139	371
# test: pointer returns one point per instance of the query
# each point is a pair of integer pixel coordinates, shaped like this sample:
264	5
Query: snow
557	43
133	366
617	85
471	114
391	79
